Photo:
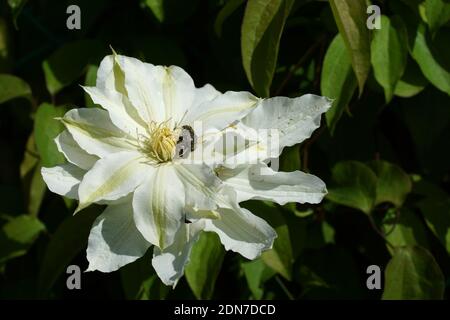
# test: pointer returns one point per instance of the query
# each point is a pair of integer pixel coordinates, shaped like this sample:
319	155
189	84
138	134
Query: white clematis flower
144	157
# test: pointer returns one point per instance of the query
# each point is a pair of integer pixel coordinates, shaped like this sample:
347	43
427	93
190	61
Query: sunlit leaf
354	186
434	63
437	13
12	87
46	129
389	51
17	235
261	31
413	274
351	16
407	230
412	82
393	184
338	80
204	265
257	273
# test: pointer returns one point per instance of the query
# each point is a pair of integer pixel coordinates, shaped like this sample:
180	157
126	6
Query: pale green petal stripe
111	178
93	130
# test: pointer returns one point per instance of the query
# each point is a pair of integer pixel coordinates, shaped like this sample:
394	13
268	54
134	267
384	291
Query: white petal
241	231
201	184
178	92
143	82
112	178
72	151
222	111
110	76
158	205
169	263
204	94
294	118
262	183
120	110
63	179
114	240
93	130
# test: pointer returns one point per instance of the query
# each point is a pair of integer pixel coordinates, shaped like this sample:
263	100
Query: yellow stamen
161	142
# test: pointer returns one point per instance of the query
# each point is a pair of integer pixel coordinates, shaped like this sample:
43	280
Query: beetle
186	141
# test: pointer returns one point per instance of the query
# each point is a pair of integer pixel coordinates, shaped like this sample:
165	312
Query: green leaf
437	13
17	236
89	81
354	186
227	10
412	82
338	80
393	184
69	62
140	282
436	211
12	87
407	231
280	258
350	17
204	265
389	52
30	173
261	31
434	63
16	8
46	129
413	274
68	240
257	273
157	8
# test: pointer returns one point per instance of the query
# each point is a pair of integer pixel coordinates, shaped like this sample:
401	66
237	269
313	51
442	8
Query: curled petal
169	263
63	179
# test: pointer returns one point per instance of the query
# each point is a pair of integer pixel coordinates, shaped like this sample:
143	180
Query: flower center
161	142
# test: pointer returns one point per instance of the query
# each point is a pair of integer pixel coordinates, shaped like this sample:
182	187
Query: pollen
160	144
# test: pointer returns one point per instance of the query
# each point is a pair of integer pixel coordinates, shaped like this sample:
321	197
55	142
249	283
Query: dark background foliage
383	149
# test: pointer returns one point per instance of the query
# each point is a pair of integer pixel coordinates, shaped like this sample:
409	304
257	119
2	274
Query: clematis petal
63	179
294	118
93	130
262	183
204	94
112	178
72	151
201	185
143	84
110	76
178	93
241	231
114	240
158	205
122	113
222	111
169	263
